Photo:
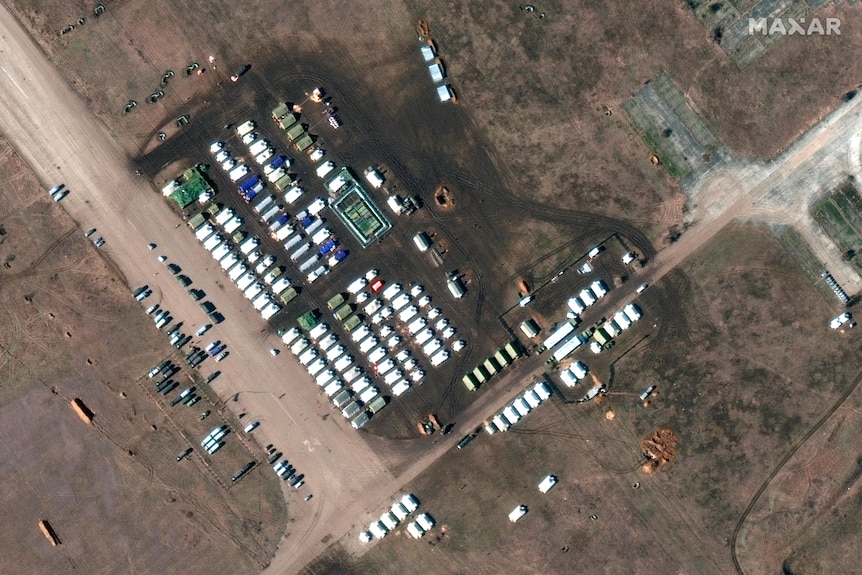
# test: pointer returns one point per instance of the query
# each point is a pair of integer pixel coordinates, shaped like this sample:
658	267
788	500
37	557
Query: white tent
414	530
444	92
548	482
427	53
517	513
436	71
323	169
568	378
377	529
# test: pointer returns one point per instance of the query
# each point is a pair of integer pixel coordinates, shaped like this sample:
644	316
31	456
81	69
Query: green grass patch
801	253
840	218
675	165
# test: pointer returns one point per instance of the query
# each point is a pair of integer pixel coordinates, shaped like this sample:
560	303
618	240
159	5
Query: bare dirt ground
113	491
739	385
806	520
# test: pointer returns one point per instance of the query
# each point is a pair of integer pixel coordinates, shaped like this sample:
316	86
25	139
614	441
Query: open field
802	255
807	519
113	491
718	362
728	24
672	129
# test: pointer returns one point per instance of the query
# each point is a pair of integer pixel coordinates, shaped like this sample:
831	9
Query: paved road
61	140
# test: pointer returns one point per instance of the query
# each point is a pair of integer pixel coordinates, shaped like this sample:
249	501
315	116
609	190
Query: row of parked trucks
618	323
564	338
162	375
305	237
212	441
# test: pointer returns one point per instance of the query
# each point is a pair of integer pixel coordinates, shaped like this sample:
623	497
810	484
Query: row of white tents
519	407
329	363
618	323
236	261
399	511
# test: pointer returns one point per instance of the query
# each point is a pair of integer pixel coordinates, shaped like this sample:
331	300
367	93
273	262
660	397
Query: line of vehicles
273	214
58	192
283	469
164	383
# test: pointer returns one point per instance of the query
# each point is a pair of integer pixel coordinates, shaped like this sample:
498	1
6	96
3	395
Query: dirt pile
660	449
443	197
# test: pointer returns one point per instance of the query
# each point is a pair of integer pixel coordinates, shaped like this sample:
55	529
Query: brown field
740	384
113	491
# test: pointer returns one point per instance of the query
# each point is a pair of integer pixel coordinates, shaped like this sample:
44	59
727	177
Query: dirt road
62	141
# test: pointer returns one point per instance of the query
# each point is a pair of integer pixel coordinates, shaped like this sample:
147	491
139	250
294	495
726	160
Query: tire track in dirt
33	267
14	343
779	466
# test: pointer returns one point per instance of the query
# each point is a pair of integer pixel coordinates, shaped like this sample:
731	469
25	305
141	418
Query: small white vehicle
842	319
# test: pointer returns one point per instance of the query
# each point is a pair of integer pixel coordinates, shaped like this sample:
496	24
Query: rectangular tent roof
444	92
436	71
427	53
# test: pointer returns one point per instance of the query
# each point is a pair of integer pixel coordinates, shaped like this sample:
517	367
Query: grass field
840	216
802	255
113	491
736	382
